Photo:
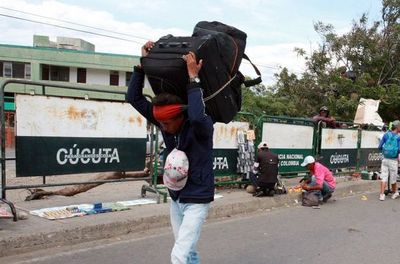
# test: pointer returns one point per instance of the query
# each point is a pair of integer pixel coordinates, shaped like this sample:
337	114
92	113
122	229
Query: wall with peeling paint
64	135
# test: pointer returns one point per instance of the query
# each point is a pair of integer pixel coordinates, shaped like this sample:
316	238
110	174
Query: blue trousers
326	189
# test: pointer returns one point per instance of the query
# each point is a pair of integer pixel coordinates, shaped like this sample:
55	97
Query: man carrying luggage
321	182
267	167
190	131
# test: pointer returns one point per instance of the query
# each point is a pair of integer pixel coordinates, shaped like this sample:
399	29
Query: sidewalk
37	233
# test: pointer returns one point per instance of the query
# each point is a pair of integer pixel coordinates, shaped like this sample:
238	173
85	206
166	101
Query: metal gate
291	138
57	135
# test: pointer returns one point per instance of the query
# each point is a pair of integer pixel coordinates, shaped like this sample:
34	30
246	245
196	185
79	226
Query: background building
68	61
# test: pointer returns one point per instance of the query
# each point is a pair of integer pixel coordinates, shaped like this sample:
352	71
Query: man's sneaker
271	193
382	197
395	195
259	194
326	197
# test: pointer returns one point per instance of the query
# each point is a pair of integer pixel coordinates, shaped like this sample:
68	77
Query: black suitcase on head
164	66
232	42
167	72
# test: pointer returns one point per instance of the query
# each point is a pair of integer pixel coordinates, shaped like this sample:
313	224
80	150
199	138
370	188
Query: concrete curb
114	226
64	237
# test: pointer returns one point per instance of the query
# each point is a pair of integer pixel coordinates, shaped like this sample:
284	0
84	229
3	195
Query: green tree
261	100
364	62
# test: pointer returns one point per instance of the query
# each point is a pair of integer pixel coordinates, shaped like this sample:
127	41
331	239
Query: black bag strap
219	90
247	83
255	81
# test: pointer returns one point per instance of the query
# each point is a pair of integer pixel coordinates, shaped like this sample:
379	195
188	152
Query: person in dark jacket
190	130
324	117
267	167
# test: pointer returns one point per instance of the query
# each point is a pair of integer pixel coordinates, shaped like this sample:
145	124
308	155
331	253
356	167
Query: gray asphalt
349	230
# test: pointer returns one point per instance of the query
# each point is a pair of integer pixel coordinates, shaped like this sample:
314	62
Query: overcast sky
273	27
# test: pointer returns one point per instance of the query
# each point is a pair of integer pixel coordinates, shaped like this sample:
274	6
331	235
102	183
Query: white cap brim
304	164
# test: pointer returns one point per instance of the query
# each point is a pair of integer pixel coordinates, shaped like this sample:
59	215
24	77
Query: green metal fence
339	147
350	148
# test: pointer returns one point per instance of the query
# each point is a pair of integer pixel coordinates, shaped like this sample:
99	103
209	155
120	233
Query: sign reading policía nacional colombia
292	143
62	136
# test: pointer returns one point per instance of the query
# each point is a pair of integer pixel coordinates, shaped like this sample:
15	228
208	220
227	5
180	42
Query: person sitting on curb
267	176
321	182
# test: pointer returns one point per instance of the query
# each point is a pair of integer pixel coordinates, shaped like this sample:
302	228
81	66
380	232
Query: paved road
350	230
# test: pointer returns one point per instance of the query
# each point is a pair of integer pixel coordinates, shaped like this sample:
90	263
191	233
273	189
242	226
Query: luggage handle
255	81
174	44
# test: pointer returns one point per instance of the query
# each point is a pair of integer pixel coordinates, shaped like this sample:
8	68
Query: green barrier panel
72	136
343	158
370	156
225	162
56	136
291	138
290	159
225	150
38	156
339	147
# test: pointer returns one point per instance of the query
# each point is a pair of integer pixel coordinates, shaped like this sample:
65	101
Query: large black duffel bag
221	81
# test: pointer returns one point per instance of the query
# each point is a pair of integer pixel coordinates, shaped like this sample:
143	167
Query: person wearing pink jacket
322	182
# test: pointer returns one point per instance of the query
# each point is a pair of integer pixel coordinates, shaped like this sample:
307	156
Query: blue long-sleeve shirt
195	139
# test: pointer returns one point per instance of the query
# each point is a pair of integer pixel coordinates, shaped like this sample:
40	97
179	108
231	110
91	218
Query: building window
55	73
128	77
45	72
10	69
114	78
27	71
18	70
7	70
81	77
59	73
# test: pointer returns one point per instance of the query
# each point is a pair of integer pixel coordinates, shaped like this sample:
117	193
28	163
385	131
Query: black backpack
232	43
222	48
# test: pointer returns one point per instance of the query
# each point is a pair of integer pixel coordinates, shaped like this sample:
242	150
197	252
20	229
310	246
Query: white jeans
187	220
